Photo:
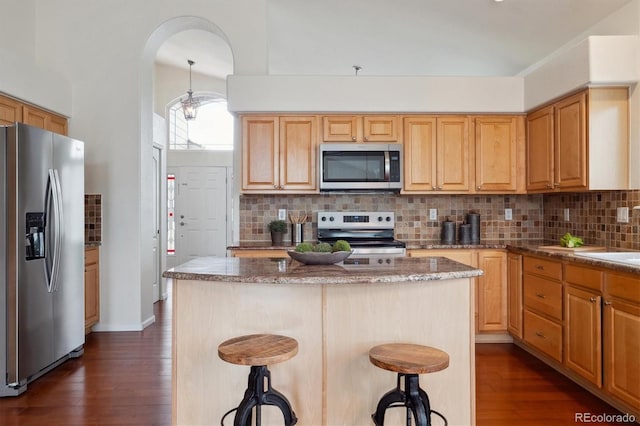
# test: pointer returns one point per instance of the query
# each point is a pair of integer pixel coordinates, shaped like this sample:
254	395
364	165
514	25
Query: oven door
360	167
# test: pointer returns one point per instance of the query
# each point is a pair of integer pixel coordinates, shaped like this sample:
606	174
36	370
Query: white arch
155	40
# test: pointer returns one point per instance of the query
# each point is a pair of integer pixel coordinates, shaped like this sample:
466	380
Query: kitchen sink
626	257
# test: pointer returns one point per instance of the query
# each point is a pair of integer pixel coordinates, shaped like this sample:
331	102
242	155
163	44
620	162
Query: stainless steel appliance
360	167
41	253
370	234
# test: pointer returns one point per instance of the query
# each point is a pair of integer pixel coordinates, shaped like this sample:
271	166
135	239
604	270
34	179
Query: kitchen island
336	313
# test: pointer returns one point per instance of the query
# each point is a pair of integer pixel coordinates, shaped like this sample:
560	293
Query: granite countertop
289	271
518	246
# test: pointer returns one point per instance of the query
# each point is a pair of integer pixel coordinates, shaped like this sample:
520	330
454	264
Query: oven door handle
387	167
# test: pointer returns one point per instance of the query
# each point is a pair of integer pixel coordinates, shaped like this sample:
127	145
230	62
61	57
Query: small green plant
304	247
277	226
323	248
341	245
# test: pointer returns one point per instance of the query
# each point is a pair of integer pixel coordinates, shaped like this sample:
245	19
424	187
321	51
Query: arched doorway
151	97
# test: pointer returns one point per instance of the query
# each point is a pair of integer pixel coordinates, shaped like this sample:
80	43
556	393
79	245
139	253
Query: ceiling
411	37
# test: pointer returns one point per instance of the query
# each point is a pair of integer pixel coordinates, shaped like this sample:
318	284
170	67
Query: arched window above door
212	129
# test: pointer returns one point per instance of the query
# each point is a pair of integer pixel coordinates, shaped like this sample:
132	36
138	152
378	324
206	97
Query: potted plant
277	229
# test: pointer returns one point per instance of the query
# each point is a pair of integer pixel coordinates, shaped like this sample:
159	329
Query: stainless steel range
369	233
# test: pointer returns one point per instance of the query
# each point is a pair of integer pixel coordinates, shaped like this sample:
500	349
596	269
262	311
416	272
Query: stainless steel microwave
360	167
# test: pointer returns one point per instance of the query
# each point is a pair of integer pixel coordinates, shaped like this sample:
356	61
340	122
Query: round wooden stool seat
407	358
258	349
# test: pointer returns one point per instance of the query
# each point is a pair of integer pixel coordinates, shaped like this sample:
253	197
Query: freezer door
35	301
68	294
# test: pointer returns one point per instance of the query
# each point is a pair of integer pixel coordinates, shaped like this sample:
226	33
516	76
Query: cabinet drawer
543	334
90	255
547	268
624	286
583	276
543	295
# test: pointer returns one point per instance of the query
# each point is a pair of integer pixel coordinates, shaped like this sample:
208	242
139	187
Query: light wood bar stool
259	351
408	360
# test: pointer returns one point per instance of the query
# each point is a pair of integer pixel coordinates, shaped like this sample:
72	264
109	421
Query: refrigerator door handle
59	231
53	217
47	214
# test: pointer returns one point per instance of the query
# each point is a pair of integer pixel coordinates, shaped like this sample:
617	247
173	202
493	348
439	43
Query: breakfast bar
336	313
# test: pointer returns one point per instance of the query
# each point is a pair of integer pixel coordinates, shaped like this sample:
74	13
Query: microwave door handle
387	167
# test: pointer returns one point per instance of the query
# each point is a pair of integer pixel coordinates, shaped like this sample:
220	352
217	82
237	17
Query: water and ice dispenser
34	241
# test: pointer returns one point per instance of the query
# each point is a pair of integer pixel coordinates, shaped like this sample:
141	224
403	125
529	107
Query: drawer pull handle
540	295
540	267
540	334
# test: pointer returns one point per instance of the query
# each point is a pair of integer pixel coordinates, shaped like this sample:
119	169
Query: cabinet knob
607	302
434	188
366	139
353	138
556	184
592	299
549	186
479	187
440	188
275	186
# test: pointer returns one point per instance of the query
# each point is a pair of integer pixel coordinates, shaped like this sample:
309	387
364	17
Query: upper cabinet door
298	146
380	128
497	153
540	150
45	120
10	111
453	153
420	153
570	158
340	128
260	153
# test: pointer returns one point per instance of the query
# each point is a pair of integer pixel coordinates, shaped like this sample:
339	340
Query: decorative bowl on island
319	258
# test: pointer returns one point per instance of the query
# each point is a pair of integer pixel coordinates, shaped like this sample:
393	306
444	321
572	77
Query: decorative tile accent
412	213
93	218
593	217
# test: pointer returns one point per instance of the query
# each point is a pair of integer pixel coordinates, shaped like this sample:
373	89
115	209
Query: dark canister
464	234
448	232
473	219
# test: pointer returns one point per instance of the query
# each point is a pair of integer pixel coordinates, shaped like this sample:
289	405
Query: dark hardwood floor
125	379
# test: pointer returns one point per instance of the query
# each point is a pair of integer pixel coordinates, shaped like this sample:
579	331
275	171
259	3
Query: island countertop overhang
289	271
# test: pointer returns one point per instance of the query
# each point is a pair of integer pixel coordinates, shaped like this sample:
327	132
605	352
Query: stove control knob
379	218
331	219
388	218
380	261
323	218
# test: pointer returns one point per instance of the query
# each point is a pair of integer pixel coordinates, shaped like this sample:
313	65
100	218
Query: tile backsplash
592	215
93	218
412	213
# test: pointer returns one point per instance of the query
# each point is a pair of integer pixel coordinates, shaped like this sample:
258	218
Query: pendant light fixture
190	105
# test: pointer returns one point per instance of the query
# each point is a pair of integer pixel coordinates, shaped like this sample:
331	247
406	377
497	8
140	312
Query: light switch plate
622	214
433	214
282	214
508	214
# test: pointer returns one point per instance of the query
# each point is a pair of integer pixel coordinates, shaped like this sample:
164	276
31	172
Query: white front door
200	212
155	238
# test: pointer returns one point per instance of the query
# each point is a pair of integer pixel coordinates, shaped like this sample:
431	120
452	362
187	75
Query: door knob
182	224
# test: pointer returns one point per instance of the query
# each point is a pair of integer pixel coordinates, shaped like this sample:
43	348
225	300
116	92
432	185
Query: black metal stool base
256	396
412	397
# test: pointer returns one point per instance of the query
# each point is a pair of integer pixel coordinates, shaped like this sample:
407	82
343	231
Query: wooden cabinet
279	154
622	337
542	300
436	154
91	287
580	142
583	322
491	291
360	128
499	154
12	111
514	295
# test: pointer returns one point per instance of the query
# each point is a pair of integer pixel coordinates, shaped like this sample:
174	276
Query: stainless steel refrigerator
41	253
